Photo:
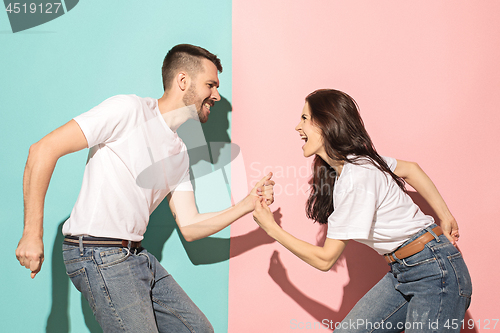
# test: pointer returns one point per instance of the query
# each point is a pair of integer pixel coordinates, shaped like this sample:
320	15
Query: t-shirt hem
347	236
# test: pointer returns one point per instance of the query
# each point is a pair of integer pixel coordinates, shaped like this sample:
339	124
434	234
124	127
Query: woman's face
311	134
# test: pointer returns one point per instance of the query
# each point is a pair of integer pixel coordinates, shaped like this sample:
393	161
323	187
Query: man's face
202	92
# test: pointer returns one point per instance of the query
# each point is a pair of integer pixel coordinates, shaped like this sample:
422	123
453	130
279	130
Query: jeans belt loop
393	255
129	246
436	237
80	244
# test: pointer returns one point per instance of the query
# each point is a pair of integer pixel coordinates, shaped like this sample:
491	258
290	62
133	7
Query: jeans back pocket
462	274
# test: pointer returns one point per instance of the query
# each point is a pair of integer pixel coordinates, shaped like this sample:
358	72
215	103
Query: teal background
62	68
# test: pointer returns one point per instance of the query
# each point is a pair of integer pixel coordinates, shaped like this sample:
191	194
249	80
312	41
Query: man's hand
30	253
266	191
450	230
262	190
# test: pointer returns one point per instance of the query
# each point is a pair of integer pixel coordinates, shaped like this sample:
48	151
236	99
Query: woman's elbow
405	169
414	165
324	268
326	265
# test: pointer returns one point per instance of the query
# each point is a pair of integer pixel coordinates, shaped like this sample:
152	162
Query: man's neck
174	112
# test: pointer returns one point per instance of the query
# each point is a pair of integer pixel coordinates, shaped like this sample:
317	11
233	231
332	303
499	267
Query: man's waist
100	242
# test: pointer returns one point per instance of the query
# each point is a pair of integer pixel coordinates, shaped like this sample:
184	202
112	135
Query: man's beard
190	99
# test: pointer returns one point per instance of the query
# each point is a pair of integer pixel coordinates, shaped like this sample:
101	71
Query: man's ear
182	80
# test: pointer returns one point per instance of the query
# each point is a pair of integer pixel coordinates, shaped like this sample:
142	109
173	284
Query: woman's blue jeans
426	292
131	292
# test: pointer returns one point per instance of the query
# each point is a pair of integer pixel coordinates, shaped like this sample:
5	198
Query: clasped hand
263	216
262	191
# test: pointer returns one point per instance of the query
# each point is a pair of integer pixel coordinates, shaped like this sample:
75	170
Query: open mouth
208	104
304	137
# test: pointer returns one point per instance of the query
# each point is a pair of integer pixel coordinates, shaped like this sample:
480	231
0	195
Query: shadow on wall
365	269
214	153
161	224
58	320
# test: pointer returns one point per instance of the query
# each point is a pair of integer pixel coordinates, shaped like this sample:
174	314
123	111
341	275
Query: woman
362	196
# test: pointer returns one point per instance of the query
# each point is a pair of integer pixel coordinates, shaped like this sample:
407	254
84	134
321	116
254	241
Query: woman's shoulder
366	163
359	164
362	173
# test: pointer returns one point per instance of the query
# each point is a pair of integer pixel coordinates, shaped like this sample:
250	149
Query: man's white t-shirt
369	207
135	160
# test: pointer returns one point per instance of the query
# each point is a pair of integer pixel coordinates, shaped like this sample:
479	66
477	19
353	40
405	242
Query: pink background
426	76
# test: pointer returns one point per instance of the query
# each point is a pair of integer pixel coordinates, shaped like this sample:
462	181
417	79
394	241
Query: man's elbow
35	152
42	149
189	238
34	149
188	234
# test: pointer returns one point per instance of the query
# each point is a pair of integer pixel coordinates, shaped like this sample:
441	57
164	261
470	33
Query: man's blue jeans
131	292
426	292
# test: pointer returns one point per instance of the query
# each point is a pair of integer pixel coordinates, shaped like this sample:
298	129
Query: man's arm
194	225
416	177
42	160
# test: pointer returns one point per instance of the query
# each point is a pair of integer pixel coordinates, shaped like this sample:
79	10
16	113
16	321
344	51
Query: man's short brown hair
185	57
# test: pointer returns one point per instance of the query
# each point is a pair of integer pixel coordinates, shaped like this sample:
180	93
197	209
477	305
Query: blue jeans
131	292
426	292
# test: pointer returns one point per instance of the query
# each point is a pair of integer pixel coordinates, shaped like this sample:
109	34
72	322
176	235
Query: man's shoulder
126	99
131	102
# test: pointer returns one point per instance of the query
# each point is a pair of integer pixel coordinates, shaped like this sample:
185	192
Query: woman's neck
335	164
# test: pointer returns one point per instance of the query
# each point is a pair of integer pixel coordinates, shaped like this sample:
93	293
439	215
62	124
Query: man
135	160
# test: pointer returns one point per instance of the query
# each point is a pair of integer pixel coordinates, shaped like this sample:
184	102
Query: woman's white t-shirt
369	207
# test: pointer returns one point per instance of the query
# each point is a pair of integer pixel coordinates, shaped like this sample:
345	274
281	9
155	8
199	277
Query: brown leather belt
101	242
414	247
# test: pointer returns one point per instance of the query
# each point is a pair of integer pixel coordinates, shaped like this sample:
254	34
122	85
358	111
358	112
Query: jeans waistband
415	244
418	234
89	241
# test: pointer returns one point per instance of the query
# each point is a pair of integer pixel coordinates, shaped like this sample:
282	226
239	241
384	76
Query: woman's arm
322	258
416	177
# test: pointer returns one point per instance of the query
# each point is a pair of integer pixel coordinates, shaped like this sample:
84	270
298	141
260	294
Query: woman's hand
450	230
263	215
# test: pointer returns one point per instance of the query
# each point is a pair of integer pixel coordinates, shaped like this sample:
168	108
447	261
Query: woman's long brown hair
345	139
